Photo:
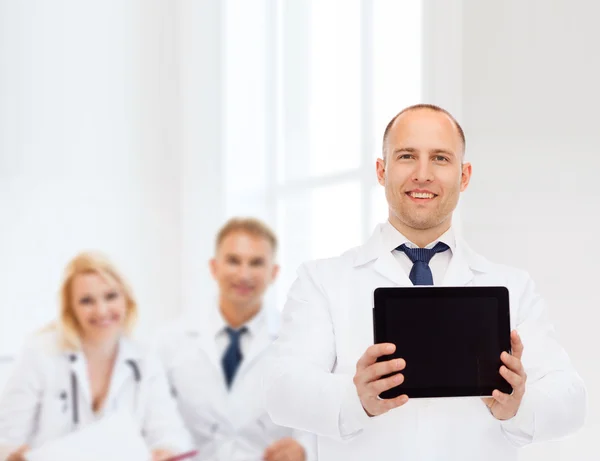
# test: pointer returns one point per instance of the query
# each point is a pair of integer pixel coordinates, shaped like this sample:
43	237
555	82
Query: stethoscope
137	376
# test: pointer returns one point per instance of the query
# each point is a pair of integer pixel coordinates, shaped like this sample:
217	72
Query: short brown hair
252	226
423	106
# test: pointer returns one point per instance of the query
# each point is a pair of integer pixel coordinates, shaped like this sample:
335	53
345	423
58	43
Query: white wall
528	100
200	95
86	153
110	139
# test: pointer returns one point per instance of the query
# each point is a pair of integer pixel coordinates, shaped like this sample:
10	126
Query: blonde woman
85	367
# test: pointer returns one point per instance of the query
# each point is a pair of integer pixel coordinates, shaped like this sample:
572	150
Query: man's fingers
389	404
273	449
377	370
270	451
373	353
368	383
381	385
271	455
381	406
489	401
377	406
500	397
267	454
515	380
286	449
18	454
513	363
281	455
516	344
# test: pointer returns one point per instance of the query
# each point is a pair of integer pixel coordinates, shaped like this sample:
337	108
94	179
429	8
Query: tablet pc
450	337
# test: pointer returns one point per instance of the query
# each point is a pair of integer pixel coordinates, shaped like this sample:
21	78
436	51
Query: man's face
244	267
422	173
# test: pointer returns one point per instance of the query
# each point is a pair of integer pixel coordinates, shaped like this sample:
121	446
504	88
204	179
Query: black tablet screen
451	344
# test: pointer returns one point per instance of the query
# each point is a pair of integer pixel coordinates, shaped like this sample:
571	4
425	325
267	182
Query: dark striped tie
420	274
233	354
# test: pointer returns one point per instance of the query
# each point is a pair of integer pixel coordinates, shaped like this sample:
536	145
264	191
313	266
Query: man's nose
423	172
245	271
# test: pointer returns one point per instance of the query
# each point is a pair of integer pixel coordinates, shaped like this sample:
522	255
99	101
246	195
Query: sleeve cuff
353	417
520	428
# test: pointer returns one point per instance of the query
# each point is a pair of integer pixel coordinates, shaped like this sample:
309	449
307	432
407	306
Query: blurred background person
216	360
85	367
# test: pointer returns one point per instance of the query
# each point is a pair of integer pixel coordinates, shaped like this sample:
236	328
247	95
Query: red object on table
186	455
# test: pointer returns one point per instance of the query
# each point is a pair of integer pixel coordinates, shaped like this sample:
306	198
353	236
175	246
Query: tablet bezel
383	294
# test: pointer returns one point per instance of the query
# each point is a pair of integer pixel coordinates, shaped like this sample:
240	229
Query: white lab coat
227	425
36	405
327	326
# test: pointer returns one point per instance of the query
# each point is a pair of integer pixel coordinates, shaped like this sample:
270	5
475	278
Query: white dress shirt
253	327
392	239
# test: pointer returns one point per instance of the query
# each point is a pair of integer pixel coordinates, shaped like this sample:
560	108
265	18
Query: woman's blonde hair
89	263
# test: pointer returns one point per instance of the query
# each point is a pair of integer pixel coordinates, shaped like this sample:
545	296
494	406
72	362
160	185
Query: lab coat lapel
259	344
204	342
459	272
208	345
123	371
264	336
385	264
464	265
201	330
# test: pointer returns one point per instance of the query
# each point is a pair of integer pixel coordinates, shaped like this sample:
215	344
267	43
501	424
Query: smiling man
423	172
215	360
325	376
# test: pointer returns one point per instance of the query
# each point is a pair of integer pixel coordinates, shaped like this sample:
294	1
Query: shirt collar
252	326
392	238
127	351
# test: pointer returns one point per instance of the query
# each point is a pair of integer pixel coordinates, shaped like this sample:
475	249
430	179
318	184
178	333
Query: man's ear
212	265
380	169
465	176
275	272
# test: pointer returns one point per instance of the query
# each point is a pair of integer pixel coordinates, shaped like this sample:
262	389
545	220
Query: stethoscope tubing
137	376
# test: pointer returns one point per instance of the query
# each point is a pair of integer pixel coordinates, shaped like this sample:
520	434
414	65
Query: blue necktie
233	354
420	274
